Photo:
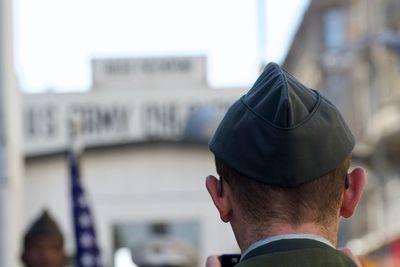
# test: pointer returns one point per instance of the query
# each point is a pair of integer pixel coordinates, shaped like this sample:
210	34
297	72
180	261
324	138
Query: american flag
87	250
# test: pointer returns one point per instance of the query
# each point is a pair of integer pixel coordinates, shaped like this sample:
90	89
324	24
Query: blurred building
11	156
350	50
145	125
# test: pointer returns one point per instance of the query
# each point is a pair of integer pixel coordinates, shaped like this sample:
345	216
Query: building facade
350	50
145	126
11	155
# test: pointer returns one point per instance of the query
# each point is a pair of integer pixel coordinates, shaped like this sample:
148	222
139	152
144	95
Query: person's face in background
44	251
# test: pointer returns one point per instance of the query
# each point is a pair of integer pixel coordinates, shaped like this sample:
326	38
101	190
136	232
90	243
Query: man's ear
221	201
352	195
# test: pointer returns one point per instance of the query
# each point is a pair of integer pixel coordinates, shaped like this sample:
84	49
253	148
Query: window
334	29
336	90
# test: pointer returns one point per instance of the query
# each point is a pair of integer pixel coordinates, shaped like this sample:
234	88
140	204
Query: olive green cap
282	133
43	226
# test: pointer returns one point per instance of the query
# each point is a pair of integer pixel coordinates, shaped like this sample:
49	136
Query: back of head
317	201
284	149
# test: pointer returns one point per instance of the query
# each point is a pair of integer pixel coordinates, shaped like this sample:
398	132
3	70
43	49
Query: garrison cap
282	133
44	225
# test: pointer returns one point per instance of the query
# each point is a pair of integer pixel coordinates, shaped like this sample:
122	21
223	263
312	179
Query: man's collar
284	237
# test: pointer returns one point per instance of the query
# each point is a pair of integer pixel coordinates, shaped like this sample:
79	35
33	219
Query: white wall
139	183
11	157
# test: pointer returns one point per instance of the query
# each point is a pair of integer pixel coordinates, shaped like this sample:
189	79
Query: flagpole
87	250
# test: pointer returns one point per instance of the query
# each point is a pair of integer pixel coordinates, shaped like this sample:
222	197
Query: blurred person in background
283	153
161	249
43	244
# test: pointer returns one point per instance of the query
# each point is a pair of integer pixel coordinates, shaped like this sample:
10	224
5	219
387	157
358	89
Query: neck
246	235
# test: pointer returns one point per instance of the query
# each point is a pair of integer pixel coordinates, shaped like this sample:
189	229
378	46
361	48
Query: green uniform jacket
296	252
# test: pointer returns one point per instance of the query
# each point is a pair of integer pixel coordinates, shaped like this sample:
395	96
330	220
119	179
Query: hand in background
213	261
348	252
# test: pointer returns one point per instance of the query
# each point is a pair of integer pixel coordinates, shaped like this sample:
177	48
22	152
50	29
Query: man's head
43	244
317	201
283	152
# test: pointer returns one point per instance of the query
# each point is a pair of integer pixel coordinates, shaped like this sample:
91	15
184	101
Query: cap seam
279	127
286	92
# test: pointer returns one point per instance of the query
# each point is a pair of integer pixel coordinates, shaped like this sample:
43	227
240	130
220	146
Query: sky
55	40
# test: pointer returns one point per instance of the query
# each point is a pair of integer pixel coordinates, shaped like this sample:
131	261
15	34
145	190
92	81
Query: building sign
137	73
115	118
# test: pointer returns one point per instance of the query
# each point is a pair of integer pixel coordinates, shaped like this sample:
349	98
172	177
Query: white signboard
137	73
111	118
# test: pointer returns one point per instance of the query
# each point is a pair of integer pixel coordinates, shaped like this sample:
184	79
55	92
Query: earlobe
352	195
221	202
